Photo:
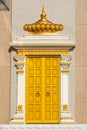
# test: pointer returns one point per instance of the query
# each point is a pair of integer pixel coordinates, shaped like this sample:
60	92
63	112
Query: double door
42	89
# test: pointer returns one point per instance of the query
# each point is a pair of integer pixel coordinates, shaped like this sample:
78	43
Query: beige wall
81	61
5	37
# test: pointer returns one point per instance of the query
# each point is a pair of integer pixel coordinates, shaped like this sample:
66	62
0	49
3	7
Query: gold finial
43	9
43	26
43	14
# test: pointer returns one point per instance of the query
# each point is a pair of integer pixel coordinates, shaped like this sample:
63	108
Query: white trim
65	88
43	41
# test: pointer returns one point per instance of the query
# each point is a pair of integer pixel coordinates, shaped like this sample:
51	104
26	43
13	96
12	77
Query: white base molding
18	118
66	117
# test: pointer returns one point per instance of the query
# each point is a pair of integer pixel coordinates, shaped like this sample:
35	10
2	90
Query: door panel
51	89
42	90
33	90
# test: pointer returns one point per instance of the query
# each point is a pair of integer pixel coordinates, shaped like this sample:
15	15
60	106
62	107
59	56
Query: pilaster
65	63
66	116
20	108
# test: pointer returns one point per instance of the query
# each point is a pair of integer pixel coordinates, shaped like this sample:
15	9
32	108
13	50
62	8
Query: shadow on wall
4	5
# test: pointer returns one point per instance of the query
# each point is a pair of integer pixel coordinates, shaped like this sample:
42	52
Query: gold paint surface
42	90
65	63
20	107
65	107
19	70
19	63
65	70
43	52
43	26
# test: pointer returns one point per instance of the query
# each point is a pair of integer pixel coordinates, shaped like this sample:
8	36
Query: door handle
47	94
37	94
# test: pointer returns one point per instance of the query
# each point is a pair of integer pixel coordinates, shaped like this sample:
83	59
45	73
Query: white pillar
20	88
65	88
20	64
65	63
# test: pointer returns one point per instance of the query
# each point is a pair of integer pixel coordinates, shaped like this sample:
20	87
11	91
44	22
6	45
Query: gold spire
43	14
43	26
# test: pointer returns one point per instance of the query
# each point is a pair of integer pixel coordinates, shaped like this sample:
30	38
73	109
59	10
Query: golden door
42	89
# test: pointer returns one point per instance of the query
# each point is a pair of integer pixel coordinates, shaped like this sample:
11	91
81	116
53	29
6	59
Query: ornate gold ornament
20	107
65	107
65	70
43	26
19	70
42	52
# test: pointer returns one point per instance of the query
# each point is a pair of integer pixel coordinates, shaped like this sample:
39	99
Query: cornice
43	41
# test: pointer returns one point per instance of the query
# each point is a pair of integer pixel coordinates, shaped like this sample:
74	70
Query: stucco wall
5	35
81	61
5	38
58	11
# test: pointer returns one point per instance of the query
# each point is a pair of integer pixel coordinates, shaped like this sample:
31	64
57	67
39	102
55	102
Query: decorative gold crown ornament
43	26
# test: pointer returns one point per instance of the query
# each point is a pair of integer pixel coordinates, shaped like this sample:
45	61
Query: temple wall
81	62
5	38
58	11
65	15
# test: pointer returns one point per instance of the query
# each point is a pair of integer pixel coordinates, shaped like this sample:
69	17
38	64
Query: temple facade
40	69
43	69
